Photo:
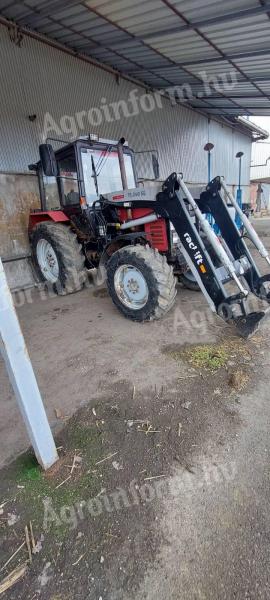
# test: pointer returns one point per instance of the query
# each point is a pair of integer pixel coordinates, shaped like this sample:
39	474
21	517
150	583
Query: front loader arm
172	207
210	278
211	201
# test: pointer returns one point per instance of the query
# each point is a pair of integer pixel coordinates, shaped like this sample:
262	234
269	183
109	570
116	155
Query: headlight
175	237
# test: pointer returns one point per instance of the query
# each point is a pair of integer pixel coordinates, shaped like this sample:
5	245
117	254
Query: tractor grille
157	234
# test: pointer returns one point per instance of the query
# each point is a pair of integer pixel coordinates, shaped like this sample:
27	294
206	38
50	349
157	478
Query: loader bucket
248	325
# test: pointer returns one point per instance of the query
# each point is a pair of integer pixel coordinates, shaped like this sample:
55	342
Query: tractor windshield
107	170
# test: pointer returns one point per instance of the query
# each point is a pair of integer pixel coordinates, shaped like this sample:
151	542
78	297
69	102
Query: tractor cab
80	172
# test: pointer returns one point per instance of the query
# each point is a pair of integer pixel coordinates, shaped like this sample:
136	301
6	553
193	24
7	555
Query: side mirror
33	167
48	160
155	165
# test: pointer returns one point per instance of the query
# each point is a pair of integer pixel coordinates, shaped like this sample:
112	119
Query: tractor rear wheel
141	283
188	280
58	257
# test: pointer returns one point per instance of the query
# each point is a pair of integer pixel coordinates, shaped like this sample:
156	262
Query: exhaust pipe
122	163
141	221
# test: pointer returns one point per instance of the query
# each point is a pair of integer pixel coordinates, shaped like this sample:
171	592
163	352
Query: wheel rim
131	287
189	275
47	260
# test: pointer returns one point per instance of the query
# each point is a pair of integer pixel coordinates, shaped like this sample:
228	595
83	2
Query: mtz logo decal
197	255
137	194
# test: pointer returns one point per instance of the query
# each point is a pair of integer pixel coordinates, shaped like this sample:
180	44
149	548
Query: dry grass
210	357
239	380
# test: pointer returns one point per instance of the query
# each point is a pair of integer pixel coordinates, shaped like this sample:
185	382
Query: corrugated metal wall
260	154
37	79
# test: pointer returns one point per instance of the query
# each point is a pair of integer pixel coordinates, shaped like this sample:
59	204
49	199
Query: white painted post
22	377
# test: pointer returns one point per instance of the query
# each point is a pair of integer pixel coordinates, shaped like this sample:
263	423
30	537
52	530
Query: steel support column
22	378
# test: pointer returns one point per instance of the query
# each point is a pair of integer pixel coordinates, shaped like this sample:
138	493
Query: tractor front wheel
141	283
58	257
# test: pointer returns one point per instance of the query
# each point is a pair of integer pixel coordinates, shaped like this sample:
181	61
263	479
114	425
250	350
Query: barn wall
37	79
18	195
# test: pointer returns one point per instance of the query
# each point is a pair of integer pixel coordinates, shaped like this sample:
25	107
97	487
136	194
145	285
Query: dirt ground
162	487
81	347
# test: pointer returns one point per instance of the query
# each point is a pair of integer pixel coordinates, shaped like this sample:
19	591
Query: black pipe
8	259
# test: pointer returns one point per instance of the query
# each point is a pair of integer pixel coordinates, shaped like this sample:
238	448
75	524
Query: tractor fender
119	242
58	216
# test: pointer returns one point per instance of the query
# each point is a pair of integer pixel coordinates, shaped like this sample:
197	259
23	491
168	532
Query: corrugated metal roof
196	10
218	49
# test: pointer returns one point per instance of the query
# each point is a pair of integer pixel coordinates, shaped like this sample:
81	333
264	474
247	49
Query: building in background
260	169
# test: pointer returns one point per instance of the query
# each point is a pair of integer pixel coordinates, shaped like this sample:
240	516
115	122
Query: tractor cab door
68	183
61	192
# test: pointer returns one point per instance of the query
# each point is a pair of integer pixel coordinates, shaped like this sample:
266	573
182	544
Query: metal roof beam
50	8
260	79
97	44
233	16
235	56
228	57
232	96
235	108
215	47
9	4
170	60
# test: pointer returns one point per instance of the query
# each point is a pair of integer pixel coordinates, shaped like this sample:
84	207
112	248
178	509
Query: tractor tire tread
69	250
163	281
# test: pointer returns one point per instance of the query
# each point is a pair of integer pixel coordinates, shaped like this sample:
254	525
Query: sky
263	122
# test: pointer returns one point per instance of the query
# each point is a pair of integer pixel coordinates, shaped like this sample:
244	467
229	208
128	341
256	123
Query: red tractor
76	230
96	213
